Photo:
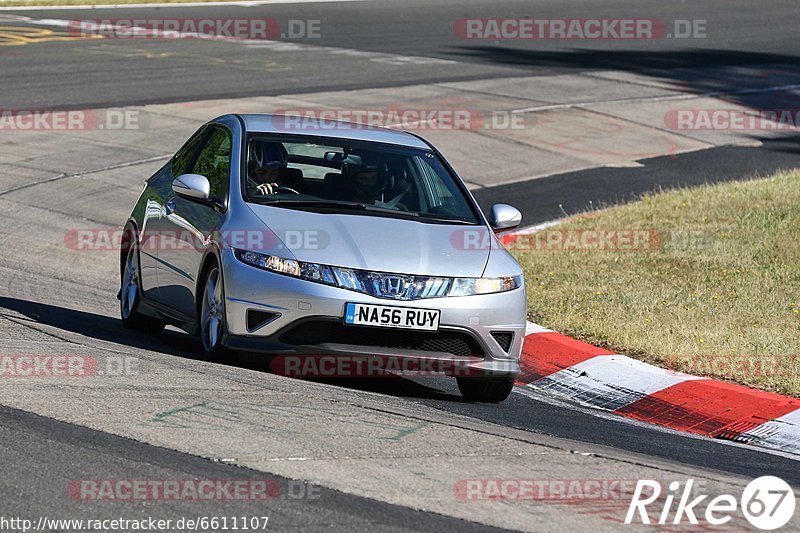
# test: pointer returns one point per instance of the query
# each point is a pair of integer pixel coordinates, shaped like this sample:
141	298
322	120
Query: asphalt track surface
85	74
553	197
37	445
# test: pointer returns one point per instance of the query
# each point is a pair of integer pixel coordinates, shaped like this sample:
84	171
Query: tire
486	390
130	293
211	313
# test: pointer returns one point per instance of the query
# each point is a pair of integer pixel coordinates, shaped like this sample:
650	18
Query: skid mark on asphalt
85	173
223	416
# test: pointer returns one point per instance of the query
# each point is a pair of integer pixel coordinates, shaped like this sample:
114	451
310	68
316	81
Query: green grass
716	293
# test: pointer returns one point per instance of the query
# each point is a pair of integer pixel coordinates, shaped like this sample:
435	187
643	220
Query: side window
182	160
214	162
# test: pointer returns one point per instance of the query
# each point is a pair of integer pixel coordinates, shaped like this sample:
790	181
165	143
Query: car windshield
342	175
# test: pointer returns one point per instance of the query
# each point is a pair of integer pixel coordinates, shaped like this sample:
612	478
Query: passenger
367	179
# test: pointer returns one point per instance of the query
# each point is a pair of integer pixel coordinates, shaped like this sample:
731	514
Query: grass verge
703	280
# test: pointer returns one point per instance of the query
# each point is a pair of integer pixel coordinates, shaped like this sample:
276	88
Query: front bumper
295	302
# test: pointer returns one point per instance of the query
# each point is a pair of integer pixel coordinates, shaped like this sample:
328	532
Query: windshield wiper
438	218
313	203
357	206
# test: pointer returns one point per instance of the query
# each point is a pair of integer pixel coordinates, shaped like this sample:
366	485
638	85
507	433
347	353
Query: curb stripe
609	381
550	352
596	377
712	408
782	433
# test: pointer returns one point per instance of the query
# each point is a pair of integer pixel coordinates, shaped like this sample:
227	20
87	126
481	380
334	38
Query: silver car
298	239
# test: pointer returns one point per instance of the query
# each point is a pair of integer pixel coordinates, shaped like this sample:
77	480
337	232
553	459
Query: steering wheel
284	188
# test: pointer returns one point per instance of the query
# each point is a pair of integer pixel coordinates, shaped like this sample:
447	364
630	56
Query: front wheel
212	314
130	295
486	390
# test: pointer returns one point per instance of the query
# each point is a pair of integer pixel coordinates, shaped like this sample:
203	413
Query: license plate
385	316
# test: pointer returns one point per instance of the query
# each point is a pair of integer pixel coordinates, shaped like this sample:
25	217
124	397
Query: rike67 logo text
767	503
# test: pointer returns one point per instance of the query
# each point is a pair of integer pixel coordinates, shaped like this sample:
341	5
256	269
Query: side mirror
504	217
192	187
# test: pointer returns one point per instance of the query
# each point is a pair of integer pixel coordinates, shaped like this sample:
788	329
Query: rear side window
182	160
214	162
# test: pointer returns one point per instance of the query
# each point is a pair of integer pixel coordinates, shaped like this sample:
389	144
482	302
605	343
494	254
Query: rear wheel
212	313
130	294
486	390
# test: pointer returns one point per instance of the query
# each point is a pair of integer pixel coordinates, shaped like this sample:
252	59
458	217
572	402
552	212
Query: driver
266	166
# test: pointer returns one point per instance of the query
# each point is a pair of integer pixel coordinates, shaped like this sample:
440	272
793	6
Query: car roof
264	123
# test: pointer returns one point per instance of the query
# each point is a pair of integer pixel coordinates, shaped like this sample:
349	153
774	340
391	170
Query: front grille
322	331
504	339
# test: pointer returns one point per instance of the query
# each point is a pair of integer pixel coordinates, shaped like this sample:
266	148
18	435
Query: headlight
379	284
471	286
348	279
290	267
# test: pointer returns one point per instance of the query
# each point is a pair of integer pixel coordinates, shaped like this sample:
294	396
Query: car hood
380	243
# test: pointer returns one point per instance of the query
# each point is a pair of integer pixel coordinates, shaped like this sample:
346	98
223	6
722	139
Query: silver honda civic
327	239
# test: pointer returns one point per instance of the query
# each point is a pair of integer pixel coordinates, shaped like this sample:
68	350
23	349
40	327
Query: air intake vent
257	319
504	339
309	333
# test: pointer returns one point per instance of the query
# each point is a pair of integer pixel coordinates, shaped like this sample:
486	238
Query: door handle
170	207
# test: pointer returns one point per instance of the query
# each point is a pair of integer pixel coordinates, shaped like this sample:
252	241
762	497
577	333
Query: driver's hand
267	188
